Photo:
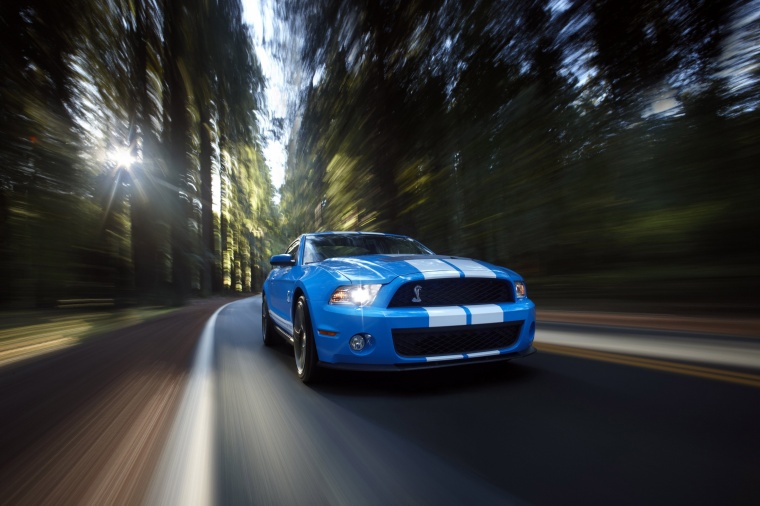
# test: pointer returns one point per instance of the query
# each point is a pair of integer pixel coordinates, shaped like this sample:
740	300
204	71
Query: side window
293	250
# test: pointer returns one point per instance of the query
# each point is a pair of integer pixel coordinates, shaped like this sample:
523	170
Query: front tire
267	327
304	348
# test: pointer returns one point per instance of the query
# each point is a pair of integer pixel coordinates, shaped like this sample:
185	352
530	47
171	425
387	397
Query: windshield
321	247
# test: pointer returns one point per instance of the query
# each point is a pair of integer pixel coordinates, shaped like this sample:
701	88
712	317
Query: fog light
357	342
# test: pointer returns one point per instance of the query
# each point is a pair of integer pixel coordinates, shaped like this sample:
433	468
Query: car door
282	284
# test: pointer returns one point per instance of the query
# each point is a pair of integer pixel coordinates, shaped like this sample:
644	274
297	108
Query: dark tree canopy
579	141
132	163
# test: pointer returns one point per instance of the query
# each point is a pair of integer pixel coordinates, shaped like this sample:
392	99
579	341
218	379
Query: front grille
454	340
453	292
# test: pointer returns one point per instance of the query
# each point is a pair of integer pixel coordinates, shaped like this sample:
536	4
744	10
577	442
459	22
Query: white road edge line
185	469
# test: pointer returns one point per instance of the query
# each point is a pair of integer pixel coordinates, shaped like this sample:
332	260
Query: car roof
311	234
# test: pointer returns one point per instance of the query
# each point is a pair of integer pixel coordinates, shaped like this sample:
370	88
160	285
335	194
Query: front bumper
335	325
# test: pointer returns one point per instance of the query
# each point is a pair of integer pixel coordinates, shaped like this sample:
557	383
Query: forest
132	167
603	149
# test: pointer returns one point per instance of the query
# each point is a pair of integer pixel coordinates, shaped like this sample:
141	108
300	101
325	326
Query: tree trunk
178	147
207	213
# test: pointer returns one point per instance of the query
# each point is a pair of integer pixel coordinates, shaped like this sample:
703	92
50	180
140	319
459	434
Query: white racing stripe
184	473
438	358
432	268
448	316
282	322
471	268
486	313
483	354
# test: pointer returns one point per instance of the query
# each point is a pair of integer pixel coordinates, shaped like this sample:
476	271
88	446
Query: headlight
520	289
355	295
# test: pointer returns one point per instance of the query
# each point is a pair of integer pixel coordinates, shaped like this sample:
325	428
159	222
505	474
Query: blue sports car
374	301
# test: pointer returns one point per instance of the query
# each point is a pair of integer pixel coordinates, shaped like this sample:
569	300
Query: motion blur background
606	150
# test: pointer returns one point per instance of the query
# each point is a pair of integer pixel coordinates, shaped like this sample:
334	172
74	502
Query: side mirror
283	260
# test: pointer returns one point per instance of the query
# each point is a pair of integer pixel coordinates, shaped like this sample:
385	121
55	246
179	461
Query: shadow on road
439	381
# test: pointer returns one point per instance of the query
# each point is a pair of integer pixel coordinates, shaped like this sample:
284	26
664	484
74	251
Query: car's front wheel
305	350
267	327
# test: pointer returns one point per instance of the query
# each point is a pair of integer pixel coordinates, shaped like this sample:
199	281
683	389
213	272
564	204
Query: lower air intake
455	340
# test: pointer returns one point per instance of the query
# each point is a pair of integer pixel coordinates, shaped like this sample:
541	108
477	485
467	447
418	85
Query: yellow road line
660	365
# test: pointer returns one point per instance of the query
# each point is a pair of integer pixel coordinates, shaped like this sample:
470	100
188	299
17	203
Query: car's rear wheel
267	327
305	350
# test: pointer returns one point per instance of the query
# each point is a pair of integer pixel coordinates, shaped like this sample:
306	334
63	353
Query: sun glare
122	157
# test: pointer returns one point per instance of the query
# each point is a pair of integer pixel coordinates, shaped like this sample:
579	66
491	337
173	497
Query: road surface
578	423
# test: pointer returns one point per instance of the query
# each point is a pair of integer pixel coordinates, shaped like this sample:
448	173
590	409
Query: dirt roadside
720	325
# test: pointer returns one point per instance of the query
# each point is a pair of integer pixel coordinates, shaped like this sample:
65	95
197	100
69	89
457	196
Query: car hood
384	268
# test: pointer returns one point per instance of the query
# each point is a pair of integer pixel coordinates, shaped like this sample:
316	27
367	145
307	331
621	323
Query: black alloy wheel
267	327
305	350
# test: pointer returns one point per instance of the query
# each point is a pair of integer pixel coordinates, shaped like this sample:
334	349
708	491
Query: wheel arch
296	295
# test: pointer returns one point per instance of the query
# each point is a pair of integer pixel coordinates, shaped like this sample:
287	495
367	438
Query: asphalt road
549	429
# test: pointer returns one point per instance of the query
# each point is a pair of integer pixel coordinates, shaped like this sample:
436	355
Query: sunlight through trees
117	117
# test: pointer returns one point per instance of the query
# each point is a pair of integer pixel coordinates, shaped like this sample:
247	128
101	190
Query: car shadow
438	381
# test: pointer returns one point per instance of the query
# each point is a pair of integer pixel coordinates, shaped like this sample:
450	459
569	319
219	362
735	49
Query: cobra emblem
417	290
